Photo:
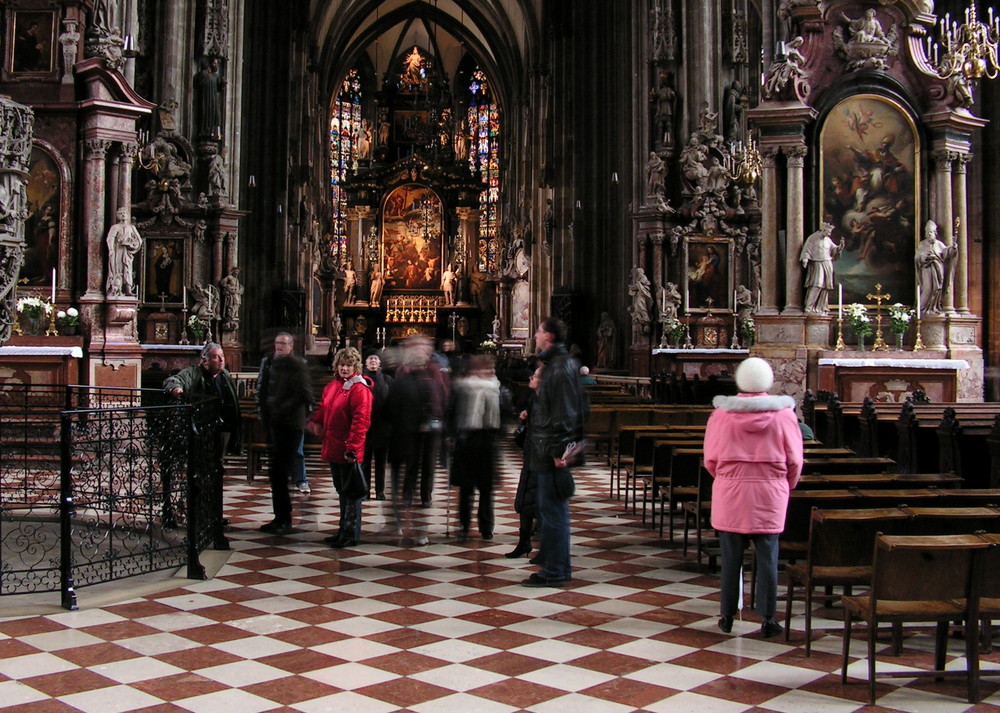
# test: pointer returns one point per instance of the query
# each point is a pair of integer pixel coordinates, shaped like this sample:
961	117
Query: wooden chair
839	555
699	509
921	579
678	483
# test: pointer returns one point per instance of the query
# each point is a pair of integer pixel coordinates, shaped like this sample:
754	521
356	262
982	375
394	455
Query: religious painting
870	173
411	127
31	43
41	228
707	275
164	271
412	246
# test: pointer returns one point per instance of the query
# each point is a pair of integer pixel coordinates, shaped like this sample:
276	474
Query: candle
840	300
184	297
735	300
918	301
53	300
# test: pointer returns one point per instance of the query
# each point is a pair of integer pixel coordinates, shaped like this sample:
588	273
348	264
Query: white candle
53	286
735	300
840	301
184	297
918	301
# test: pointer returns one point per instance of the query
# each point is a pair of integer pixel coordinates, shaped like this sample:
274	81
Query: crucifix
879	345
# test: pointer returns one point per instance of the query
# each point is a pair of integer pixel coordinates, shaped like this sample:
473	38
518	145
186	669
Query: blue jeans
553	519
765	549
299	462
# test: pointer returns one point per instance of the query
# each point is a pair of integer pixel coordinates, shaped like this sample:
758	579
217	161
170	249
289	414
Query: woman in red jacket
342	420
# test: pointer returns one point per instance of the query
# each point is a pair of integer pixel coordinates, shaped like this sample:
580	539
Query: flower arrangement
858	316
33	307
487	344
69	318
748	331
674	329
899	318
197	327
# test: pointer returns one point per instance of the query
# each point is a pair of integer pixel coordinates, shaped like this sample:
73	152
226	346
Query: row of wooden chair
840	545
940	579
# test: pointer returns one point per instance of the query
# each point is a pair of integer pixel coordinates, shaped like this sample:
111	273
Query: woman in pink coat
753	449
342	419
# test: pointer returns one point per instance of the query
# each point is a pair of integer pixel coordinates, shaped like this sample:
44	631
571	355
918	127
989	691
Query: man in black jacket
284	405
556	422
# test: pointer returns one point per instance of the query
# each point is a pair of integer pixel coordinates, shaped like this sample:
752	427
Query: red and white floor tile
288	624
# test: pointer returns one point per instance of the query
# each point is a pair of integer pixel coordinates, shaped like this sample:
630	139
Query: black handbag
563	483
355	485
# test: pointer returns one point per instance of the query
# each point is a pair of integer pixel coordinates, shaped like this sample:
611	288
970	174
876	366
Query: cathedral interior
657	173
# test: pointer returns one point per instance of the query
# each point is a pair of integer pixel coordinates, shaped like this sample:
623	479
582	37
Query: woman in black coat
377	443
526	499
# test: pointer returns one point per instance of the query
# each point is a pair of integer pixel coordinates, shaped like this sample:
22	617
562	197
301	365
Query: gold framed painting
30	50
707	275
870	174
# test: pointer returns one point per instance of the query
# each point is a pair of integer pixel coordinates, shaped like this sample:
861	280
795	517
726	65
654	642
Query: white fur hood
755	402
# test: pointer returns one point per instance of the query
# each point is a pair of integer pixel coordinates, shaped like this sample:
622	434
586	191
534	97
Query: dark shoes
537	559
769	629
536	580
425	504
519	551
338	541
276	528
380	495
726	624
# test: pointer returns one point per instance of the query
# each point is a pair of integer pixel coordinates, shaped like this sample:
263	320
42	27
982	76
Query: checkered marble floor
288	624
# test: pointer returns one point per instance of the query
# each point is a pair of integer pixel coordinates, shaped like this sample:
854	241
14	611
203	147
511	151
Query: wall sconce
614	177
128	46
253	181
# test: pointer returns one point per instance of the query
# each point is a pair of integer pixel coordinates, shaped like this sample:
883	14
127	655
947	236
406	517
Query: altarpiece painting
413	249
869	149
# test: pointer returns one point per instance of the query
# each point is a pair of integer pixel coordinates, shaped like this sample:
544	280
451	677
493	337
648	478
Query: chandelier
970	48
747	162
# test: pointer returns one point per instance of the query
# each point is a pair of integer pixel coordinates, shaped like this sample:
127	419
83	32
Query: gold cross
880	345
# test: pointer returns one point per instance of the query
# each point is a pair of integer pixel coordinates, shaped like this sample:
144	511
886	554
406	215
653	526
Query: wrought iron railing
100	484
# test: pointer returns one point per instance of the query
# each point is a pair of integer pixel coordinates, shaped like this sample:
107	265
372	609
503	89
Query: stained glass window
345	130
483	121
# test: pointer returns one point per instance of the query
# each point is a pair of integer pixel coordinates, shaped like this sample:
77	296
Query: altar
893	379
700	362
42	360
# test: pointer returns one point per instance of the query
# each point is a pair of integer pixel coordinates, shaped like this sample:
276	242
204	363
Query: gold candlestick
918	343
840	335
880	345
52	330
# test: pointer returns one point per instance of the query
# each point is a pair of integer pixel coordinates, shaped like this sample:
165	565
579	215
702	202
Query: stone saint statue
209	85
350	284
377	282
448	285
642	300
668	299
656	174
124	242
232	299
206	302
933	261
606	332
217	174
817	256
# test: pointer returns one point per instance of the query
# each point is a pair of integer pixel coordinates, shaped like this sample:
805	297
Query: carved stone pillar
961	210
769	232
943	214
95	153
15	151
794	231
468	228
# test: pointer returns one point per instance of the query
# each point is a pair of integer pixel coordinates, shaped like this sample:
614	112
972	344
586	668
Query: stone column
943	213
468	228
217	257
961	209
769	232
129	149
794	232
94	162
658	270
